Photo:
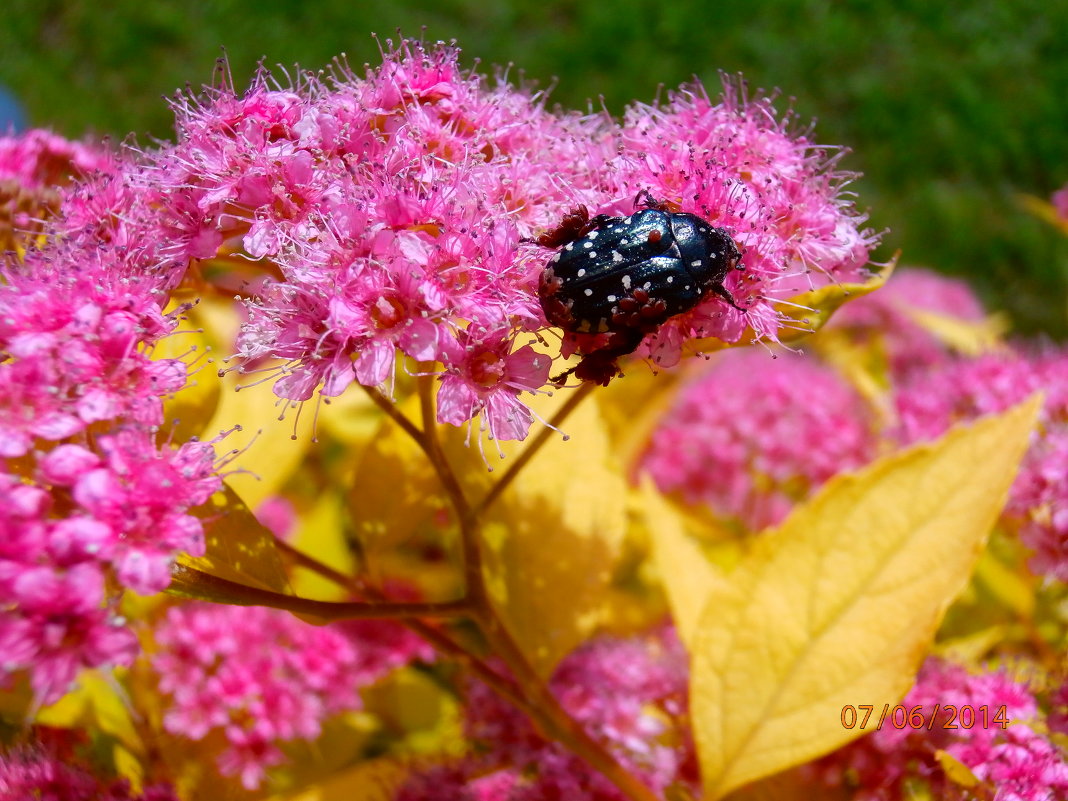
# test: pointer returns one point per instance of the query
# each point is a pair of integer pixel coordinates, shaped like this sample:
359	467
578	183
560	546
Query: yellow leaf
554	537
321	534
418	714
351	418
270	449
95	704
129	767
1014	589
397	503
687	575
371	780
204	338
964	336
238	548
973	648
955	770
805	313
839	604
1044	210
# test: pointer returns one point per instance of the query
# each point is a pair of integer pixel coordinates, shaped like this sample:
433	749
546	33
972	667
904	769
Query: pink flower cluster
737	164
91	502
262	677
961	390
398	205
885	319
1015	763
630	694
35	169
1060	203
52	774
754	434
41	159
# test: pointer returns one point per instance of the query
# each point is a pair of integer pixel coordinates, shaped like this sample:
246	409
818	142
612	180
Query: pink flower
486	376
961	390
738	165
54	623
72	338
41	159
630	694
752	435
1060	203
262	677
51	773
1011	759
141	493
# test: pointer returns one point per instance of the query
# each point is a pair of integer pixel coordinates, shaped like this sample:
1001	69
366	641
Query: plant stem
197	584
474	581
436	637
534	696
386	405
535	445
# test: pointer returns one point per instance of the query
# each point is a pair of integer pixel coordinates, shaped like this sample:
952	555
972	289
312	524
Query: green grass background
951	109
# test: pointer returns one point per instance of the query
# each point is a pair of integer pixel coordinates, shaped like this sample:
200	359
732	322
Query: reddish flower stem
535	445
435	636
542	706
190	581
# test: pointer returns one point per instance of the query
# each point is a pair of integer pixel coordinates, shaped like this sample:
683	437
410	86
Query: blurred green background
951	109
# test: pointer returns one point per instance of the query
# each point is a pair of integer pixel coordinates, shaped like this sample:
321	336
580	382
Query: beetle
623	277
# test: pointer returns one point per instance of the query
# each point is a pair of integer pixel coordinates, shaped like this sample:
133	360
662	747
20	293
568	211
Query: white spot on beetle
581	272
592	235
588	244
588	292
611	298
626	282
616	256
648	285
569	246
697	263
627	220
555	258
593	254
671	279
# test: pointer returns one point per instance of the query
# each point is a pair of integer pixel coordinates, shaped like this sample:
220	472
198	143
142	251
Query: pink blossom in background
628	693
1016	762
261	677
37	170
962	390
751	435
1060	203
278	516
49	773
884	317
39	159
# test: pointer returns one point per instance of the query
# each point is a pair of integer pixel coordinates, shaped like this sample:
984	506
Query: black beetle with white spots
623	277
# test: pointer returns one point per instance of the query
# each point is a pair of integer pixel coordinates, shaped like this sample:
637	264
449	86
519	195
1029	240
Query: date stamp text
942	716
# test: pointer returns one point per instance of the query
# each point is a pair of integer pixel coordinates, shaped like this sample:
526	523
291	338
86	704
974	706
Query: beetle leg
575	225
724	293
645	199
